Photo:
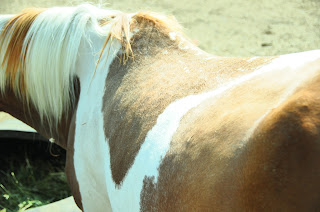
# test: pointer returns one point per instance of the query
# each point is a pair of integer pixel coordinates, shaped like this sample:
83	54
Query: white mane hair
48	56
39	50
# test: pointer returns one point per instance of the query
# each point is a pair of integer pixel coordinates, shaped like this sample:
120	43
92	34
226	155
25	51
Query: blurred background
224	27
31	171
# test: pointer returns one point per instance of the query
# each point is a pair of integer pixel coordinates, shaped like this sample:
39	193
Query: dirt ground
224	27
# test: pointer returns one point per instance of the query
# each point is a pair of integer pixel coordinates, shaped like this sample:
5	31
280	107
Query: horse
151	122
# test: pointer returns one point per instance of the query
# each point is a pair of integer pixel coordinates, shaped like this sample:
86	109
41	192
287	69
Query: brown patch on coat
280	168
209	167
28	114
138	92
70	169
14	32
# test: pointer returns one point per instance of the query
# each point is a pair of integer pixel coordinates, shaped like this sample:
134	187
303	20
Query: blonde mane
16	29
39	51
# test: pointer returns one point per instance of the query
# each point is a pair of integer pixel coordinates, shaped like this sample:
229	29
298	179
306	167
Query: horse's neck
25	108
13	105
25	111
28	114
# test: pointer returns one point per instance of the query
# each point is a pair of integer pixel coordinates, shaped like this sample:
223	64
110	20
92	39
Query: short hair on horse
39	51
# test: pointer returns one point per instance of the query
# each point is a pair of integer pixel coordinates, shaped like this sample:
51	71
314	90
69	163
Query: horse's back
255	148
280	167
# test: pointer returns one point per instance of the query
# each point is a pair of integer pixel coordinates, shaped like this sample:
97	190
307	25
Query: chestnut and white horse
152	123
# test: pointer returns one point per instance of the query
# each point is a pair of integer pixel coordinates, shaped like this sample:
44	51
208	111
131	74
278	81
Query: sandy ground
225	27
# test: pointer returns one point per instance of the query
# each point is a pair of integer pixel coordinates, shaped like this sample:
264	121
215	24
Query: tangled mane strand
120	30
122	27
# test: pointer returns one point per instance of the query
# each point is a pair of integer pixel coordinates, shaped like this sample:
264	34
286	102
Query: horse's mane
39	51
122	27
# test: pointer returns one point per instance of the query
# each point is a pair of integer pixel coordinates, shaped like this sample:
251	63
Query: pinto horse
152	123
